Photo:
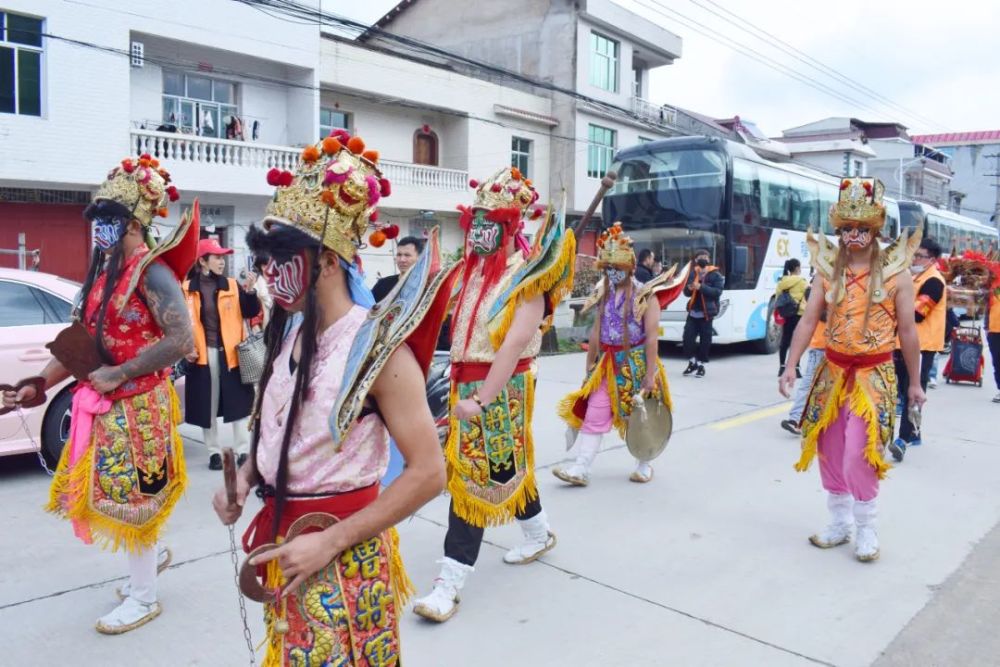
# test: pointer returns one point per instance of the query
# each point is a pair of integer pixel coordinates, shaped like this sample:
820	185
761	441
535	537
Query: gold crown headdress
332	195
507	188
614	249
860	203
140	185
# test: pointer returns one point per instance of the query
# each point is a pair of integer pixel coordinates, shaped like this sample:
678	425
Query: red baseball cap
212	247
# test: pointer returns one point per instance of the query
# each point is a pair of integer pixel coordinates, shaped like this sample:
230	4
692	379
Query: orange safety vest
230	321
930	331
993	325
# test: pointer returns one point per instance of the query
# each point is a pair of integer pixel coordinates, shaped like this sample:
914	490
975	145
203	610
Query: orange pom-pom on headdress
356	145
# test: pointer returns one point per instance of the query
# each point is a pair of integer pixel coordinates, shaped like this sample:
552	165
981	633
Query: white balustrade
659	114
175	148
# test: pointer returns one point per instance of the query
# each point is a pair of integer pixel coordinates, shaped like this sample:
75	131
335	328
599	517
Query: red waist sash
341	505
851	363
471	371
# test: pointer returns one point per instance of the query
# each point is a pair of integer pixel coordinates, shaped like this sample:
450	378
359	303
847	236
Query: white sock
142	575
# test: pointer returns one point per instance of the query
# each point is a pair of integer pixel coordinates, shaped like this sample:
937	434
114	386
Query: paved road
707	565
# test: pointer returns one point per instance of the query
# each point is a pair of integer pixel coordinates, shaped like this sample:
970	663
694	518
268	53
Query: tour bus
951	230
677	195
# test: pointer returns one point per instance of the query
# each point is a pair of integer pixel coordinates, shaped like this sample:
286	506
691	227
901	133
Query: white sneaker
129	615
996	399
841	520
932	383
538	540
163	558
442	602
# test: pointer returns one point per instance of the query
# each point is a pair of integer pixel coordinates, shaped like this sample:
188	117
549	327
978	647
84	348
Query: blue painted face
108	232
615	276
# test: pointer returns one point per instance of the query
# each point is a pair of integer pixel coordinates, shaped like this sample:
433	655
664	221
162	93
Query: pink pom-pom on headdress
373	190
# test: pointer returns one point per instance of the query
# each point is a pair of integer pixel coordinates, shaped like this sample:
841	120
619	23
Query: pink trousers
842	464
598	418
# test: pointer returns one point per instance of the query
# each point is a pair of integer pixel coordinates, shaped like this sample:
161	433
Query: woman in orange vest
930	313
848	419
993	327
218	306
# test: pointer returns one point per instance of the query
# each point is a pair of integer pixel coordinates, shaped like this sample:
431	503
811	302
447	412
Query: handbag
250	355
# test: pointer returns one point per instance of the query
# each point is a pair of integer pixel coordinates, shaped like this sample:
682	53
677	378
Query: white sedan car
34	307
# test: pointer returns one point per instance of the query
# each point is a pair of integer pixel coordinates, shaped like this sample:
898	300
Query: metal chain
38	449
239	594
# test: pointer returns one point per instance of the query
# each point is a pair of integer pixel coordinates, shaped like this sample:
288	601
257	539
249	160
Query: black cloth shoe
700	373
692	367
791	427
240	460
215	462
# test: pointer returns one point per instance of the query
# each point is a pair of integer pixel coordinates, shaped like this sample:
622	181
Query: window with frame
520	155
600	151
20	64
198	104
603	62
333	119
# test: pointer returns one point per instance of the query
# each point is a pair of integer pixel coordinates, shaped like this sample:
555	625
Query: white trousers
142	575
241	441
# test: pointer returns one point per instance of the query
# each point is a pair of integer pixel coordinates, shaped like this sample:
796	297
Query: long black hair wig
282	242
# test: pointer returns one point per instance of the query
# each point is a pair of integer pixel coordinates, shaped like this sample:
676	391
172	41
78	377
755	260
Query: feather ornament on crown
332	195
140	185
614	249
859	203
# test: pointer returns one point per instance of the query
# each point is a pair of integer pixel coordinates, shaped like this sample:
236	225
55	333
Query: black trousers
462	541
993	340
906	430
787	331
697	329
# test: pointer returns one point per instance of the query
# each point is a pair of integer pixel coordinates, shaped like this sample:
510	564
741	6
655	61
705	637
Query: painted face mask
615	276
286	280
485	236
108	232
856	238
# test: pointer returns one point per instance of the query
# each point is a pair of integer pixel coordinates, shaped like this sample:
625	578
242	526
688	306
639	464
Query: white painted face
856	238
286	281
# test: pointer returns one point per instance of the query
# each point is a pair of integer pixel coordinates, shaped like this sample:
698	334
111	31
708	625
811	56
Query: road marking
740	420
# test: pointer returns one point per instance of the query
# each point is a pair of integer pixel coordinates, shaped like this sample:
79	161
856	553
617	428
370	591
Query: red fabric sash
851	363
341	505
467	371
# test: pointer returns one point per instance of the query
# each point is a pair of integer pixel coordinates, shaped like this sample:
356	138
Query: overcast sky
937	61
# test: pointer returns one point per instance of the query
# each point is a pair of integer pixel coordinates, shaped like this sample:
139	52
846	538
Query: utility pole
996	185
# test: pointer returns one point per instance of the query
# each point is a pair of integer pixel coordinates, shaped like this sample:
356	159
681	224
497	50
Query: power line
810	61
753	54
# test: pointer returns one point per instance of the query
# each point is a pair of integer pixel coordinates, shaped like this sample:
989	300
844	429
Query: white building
591	58
975	159
222	99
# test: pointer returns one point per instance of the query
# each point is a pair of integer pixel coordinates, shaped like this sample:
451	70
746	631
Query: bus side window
746	193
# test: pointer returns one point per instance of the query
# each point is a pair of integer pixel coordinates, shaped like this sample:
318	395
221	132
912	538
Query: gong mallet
607	183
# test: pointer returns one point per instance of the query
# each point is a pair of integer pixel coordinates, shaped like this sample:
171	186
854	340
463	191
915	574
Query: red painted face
287	281
856	238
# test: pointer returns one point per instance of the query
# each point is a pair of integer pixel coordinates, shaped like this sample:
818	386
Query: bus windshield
669	188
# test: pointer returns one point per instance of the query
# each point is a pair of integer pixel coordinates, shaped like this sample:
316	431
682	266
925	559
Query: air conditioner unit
137	54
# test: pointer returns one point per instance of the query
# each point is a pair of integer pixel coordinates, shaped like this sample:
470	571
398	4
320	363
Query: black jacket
706	298
384	286
643	274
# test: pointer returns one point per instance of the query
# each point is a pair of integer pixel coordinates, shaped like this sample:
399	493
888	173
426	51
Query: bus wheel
771	341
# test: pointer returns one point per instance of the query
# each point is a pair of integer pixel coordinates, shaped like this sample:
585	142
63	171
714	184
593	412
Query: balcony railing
175	148
423	176
186	148
654	113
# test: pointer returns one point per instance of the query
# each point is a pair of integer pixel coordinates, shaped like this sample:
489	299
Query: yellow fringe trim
862	406
399	579
605	370
273	579
479	512
555	282
76	484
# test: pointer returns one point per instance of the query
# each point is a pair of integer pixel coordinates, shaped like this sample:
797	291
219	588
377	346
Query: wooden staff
229	474
607	183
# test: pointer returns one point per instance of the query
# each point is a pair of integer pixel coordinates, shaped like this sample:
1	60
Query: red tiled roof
981	137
